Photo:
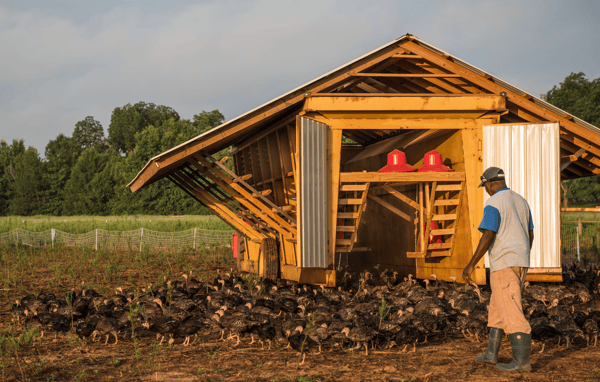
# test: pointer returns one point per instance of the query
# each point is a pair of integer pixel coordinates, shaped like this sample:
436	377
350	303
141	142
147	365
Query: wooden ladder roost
351	205
441	203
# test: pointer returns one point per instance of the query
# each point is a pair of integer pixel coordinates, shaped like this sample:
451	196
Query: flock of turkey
370	309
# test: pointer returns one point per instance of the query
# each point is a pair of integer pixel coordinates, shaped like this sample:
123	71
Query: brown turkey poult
361	336
105	327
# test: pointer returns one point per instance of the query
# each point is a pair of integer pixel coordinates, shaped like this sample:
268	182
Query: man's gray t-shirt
507	213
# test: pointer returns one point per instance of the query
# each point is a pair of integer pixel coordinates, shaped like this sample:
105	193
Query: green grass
82	224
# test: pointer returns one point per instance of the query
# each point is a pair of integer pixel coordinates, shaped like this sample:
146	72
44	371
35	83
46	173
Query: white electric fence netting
121	240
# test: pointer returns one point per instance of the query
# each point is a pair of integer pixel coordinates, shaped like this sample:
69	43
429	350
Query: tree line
86	173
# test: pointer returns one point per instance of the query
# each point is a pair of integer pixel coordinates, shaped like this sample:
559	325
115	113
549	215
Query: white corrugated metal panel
313	193
529	154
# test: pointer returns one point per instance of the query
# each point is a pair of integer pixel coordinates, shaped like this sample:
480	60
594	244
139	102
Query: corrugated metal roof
430	47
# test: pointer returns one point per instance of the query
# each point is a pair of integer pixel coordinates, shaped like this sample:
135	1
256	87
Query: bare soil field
68	358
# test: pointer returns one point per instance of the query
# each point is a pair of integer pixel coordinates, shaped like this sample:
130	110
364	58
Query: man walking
507	229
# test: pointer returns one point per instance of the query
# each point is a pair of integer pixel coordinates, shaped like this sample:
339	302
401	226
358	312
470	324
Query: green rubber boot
491	354
521	347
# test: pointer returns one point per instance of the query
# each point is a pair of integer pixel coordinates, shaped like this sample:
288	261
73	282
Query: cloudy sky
63	60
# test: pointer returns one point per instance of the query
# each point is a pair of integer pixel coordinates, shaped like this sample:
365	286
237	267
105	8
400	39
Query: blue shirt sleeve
530	221
491	219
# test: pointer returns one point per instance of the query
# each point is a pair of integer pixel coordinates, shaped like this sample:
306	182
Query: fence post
96	245
194	245
578	232
53	234
141	240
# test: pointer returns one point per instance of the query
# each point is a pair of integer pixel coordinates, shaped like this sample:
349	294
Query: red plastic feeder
432	162
396	162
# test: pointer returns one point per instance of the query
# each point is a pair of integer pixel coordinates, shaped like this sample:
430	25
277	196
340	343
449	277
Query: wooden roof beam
407	75
467	86
436	81
375	104
485	82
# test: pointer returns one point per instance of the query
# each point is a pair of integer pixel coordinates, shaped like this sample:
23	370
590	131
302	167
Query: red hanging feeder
396	162
432	162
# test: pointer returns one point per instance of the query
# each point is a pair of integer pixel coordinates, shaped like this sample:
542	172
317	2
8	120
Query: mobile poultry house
324	175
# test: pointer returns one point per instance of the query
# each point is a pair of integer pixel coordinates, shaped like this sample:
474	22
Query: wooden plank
430	199
226	170
274	127
443	84
360	210
389	104
354	249
420	230
347	215
408	75
389	207
415	255
401	196
465	85
395	124
243	177
434	246
446	202
341	228
217	206
344	241
409	177
447	231
438	254
572	209
283	208
334	151
349	201
449	187
495	88
244	198
213	211
353	187
404	55
444	217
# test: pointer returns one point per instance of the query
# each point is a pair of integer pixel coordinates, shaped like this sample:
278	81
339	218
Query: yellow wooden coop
309	202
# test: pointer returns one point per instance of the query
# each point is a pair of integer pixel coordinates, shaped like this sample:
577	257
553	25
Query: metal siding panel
530	157
313	193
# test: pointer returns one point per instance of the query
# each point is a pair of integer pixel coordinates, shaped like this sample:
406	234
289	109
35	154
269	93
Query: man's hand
466	275
485	242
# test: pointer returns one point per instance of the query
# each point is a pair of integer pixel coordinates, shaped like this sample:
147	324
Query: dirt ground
63	359
68	359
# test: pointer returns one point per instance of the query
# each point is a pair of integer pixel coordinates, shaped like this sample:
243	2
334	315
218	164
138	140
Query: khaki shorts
505	309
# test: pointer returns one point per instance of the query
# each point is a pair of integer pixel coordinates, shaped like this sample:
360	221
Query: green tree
577	96
8	154
61	156
581	98
89	133
207	120
162	197
89	189
26	183
129	120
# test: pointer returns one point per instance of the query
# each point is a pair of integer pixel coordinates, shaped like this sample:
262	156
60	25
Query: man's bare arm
485	242
530	238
